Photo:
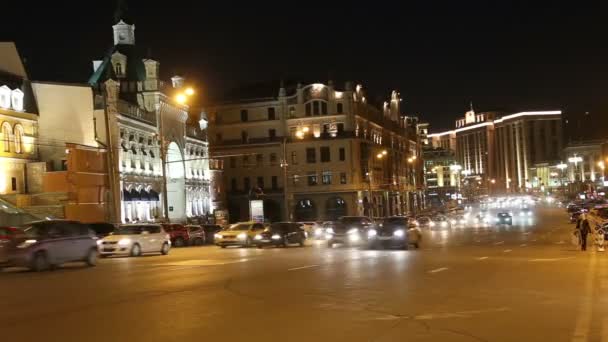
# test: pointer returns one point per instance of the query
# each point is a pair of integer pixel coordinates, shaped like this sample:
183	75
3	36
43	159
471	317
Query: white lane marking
437	270
507	251
482	258
202	262
583	321
523	245
549	259
302	268
459	314
499	243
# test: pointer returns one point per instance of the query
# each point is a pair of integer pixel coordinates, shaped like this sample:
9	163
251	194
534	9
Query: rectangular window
308	109
271	113
294	158
311	155
244	115
259	160
275	182
272	134
342	177
246	183
261	182
325	154
326	178
14	183
315	108
342	154
233	184
324	108
232	162
340	108
312	178
273	159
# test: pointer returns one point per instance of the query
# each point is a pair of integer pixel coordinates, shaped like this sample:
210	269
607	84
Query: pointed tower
124	32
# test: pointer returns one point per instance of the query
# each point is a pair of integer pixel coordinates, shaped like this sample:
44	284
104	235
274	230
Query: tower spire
471	105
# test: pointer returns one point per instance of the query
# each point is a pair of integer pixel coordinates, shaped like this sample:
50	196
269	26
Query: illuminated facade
508	152
18	122
331	141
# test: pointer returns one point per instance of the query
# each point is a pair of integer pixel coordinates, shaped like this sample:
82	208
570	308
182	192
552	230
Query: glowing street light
385	152
493	181
379	155
181	98
189	91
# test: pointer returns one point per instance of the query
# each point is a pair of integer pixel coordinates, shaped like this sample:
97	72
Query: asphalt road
522	283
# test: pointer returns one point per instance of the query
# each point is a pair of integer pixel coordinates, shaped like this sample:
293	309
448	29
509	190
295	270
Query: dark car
504	218
102	229
210	231
349	230
196	235
9	238
179	234
396	231
281	234
574	216
48	244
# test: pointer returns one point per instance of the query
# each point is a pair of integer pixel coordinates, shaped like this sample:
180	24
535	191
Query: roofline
63	84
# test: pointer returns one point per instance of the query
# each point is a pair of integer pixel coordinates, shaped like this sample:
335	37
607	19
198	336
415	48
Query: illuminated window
6	136
118	69
18	139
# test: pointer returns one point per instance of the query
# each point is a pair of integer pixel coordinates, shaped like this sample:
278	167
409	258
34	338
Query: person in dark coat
585	229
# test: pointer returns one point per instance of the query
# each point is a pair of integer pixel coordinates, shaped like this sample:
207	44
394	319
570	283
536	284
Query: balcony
136	113
196	133
250	141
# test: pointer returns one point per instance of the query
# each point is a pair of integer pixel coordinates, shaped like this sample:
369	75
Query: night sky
512	57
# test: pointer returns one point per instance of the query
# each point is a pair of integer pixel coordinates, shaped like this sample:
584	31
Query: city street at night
525	282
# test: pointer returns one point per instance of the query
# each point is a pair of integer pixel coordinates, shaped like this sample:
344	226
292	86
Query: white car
135	240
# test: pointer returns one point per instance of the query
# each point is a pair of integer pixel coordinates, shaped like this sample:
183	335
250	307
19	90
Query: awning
135	195
154	196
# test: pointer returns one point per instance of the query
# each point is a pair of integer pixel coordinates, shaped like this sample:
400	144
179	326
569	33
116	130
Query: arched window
18	138
118	69
6	136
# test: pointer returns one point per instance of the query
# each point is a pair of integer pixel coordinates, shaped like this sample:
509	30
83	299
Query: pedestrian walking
584	230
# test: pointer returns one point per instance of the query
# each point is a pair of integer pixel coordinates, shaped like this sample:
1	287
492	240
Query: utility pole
285	181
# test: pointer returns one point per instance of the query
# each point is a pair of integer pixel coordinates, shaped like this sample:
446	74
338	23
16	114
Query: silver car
48	244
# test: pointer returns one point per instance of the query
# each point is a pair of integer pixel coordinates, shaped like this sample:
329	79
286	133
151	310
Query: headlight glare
124	242
399	233
241	236
276	237
372	233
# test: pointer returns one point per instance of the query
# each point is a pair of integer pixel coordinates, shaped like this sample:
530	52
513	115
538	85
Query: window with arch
316	107
18	138
118	69
6	136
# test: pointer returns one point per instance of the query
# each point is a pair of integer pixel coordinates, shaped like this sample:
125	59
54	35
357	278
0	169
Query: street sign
256	210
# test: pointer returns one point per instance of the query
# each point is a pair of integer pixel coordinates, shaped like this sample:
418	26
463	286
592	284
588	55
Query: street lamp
575	160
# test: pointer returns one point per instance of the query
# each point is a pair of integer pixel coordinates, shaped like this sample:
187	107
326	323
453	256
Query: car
239	234
457	220
9	238
504	218
440	222
349	230
281	234
196	235
48	244
102	229
423	221
574	216
359	222
135	240
180	236
525	212
210	231
395	231
310	227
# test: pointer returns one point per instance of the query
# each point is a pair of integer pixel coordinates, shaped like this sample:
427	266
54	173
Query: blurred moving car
311	228
525	212
349	230
9	238
210	231
239	234
196	235
135	240
504	218
440	222
179	234
281	234
48	244
395	231
423	221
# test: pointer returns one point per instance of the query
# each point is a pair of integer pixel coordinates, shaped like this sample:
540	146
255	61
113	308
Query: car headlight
258	237
462	221
276	237
352	231
453	222
329	231
217	236
431	224
241	236
444	223
318	232
521	213
124	242
354	237
497	219
529	213
372	233
399	233
99	242
27	243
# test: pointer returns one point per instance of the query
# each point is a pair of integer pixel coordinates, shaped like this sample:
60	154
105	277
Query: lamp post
575	160
379	156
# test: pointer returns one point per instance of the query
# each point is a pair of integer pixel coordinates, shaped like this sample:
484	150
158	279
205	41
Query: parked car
48	244
9	238
180	236
239	234
504	218
349	230
210	231
135	240
102	229
281	234
395	231
196	235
